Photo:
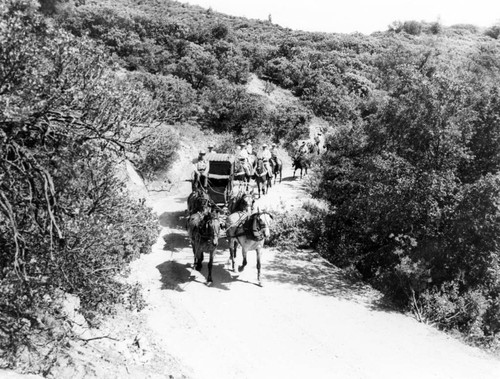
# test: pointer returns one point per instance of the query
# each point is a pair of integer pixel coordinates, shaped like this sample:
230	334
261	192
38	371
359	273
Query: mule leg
194	254
232	252
258	267
199	263
210	264
244	263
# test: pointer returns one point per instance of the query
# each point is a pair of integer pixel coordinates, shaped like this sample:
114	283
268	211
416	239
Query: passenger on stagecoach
265	155
211	150
200	171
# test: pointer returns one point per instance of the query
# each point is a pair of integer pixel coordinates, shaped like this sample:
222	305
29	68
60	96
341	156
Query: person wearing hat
249	147
319	142
200	172
265	155
274	154
211	149
303	148
242	156
274	151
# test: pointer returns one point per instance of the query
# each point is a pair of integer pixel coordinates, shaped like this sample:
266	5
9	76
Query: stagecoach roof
219	157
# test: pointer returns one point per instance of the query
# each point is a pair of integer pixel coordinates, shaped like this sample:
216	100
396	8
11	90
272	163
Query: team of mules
242	227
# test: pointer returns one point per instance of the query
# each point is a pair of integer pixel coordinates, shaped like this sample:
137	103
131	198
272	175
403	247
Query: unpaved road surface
307	321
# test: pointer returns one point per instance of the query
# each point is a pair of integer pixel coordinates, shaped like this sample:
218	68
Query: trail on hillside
306	321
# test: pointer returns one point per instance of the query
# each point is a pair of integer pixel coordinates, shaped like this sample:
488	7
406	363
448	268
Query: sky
364	16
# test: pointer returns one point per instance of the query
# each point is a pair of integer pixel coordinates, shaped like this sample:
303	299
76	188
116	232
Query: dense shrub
493	32
299	229
414	188
66	222
158	152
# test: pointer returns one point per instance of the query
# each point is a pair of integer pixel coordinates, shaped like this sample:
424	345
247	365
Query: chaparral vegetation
411	175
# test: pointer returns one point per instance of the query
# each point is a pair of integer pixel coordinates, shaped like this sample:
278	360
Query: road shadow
176	219
289	179
176	241
311	273
175	275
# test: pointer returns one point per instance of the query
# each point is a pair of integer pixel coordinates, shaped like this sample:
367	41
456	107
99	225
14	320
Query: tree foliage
67	224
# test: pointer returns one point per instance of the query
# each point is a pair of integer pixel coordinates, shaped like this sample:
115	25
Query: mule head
214	228
264	220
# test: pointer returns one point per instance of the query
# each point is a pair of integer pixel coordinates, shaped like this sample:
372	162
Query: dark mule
250	232
204	232
198	201
276	168
300	162
240	202
262	177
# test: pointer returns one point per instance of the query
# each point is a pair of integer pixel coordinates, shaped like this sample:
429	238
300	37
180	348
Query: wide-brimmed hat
264	145
202	152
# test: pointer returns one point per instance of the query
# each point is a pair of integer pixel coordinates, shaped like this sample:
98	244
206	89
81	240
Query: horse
276	168
242	173
198	201
250	232
300	162
204	231
262	176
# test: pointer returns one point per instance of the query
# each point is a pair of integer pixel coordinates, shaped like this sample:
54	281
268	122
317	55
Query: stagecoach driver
265	155
200	172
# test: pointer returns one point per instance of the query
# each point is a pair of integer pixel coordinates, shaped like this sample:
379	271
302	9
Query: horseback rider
200	172
242	156
274	155
249	147
303	149
265	155
319	142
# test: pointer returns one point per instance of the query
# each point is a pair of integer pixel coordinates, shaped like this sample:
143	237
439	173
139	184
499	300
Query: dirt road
305	322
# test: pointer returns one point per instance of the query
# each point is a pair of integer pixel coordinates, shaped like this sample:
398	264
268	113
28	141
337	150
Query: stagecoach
206	227
220	178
